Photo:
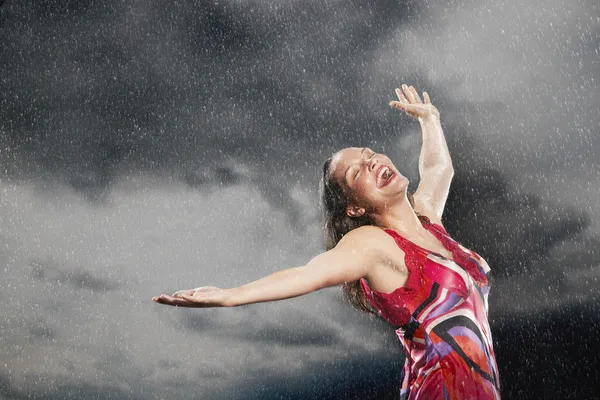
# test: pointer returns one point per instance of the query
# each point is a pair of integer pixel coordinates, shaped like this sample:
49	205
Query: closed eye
358	169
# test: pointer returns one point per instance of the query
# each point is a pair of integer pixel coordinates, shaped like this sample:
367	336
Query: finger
399	105
416	95
161	299
410	109
426	97
172	301
409	94
179	292
166	297
189	299
401	96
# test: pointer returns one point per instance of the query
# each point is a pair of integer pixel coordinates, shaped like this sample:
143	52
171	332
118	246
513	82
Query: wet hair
337	224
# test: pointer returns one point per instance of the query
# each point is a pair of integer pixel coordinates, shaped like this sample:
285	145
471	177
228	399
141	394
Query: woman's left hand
202	297
411	103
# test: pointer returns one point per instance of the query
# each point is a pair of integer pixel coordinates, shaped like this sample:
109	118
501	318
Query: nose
372	164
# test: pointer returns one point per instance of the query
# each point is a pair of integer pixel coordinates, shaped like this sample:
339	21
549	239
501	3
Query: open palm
411	103
202	297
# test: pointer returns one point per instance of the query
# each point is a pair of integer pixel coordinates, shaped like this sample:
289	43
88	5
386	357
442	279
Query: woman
394	258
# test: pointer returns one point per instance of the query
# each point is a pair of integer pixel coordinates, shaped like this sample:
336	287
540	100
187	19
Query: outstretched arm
435	165
350	260
344	263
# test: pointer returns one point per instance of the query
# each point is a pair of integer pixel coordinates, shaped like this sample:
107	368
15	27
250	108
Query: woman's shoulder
377	239
367	232
390	271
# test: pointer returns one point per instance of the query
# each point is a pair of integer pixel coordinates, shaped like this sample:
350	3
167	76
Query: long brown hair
337	224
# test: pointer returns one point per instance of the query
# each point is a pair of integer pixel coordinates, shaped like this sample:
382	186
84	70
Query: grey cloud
77	278
112	359
217	79
534	344
64	390
92	92
248	328
271	334
41	331
121	105
224	176
168	364
201	323
510	229
580	253
368	376
6	388
378	375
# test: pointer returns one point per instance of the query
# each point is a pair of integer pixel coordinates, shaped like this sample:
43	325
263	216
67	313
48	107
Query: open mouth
384	176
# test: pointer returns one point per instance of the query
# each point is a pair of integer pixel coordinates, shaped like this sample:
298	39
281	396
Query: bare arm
434	151
435	171
435	165
353	258
350	260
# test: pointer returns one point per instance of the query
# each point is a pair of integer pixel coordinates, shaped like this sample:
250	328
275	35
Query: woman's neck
400	217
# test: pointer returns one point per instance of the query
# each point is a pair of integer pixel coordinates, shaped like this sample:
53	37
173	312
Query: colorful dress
442	315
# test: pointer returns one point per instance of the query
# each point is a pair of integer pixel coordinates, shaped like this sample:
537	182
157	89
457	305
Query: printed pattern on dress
442	319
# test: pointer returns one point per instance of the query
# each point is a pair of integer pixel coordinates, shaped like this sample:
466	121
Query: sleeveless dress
442	315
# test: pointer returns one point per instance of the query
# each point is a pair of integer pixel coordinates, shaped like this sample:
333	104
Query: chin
401	181
398	187
403	186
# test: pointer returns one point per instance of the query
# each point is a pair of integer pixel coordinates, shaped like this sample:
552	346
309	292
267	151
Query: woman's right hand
201	297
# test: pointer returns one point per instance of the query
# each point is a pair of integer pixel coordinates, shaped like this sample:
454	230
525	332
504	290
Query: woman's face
369	179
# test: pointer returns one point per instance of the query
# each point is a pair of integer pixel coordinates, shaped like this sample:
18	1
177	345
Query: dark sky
152	146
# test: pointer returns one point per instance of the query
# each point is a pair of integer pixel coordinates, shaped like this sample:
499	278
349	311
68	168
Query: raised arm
353	258
435	171
435	165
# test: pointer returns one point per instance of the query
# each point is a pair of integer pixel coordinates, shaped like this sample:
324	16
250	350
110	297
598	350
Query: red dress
442	315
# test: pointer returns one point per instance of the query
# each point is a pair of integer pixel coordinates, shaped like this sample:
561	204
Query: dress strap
426	222
461	256
406	245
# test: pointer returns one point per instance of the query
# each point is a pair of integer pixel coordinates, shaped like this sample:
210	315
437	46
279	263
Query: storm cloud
148	147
